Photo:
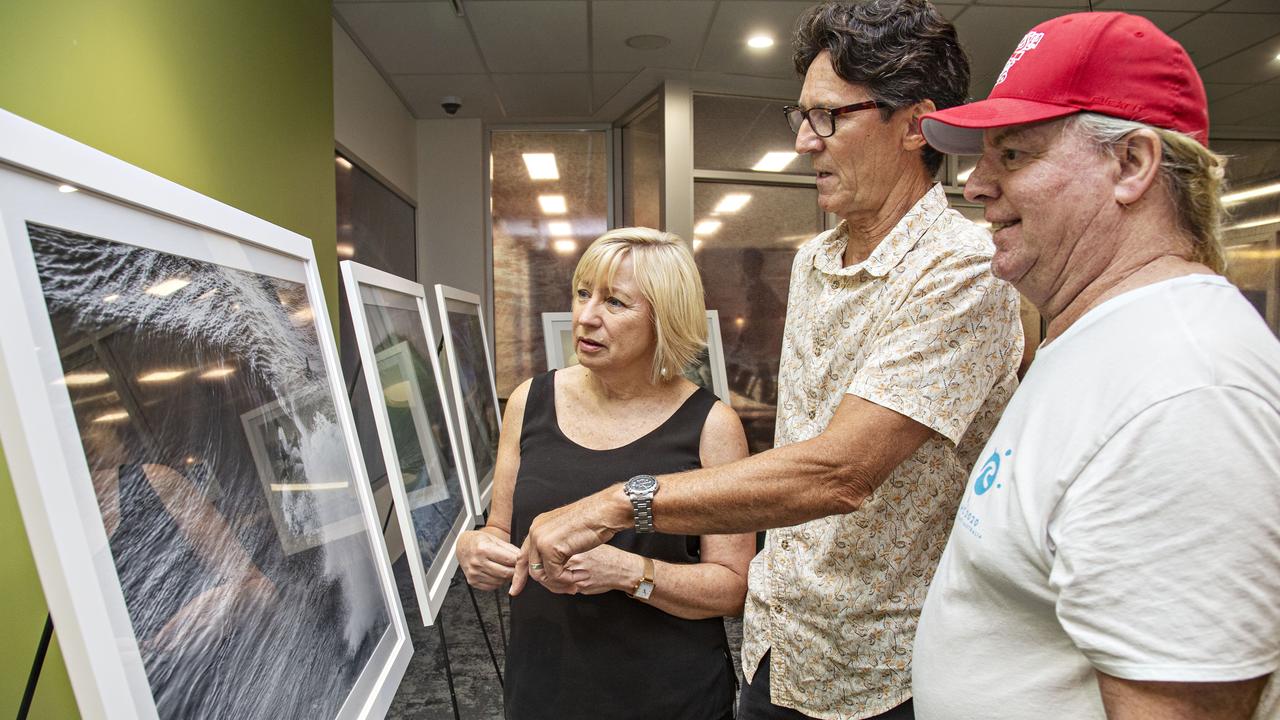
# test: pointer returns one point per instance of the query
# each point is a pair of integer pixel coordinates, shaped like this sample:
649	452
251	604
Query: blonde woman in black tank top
639	318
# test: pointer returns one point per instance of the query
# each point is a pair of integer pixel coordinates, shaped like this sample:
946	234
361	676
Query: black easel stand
448	668
36	665
502	628
485	631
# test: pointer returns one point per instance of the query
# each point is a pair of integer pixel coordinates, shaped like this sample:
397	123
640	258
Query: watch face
644	591
642	484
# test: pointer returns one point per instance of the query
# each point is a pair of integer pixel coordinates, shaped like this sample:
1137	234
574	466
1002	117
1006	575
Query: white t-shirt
1124	517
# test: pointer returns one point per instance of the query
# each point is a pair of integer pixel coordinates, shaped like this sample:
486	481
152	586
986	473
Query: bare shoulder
517	399
723	439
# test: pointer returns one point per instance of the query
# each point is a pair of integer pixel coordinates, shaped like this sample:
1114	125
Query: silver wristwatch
641	490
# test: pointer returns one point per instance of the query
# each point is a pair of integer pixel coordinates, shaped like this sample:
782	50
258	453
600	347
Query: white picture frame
557	334
273	442
431	570
475	393
135	213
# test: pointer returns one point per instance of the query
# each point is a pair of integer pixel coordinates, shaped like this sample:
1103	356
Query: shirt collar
904	236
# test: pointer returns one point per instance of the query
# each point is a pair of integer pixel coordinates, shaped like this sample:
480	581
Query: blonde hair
668	280
1191	173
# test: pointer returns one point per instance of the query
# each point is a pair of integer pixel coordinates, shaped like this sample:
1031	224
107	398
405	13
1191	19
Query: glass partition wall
755	202
1252	229
550	191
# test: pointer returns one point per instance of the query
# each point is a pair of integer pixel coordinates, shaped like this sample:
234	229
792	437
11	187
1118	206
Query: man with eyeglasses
900	350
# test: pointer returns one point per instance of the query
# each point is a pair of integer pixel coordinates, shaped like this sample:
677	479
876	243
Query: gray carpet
424	692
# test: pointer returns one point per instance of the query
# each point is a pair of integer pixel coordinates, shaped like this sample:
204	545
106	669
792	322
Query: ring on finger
535	566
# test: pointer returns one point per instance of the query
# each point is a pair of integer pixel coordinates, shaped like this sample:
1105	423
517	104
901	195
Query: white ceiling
567	61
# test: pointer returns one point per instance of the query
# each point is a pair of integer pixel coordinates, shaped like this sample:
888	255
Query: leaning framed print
474	393
168	377
398	353
707	370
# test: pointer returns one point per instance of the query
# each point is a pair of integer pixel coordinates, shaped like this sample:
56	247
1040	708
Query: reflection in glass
746	270
480	414
1252	232
642	168
419	429
376	227
742	133
534	253
224	484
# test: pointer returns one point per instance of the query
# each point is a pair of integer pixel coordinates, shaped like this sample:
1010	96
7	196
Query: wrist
617	510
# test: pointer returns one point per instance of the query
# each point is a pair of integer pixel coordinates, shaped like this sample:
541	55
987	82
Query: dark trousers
754	704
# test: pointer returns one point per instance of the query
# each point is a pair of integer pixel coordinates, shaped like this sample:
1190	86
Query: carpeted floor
424	692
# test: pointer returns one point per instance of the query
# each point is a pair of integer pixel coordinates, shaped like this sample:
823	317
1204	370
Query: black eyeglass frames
822	120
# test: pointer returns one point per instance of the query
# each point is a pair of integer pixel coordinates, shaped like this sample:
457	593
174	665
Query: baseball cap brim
958	130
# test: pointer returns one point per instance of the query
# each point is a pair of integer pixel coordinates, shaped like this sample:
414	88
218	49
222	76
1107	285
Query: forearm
1144	700
697	591
785	486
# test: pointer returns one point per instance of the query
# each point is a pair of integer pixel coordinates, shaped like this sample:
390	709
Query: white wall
451	197
368	118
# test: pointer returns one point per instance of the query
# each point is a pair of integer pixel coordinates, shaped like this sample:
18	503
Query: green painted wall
232	98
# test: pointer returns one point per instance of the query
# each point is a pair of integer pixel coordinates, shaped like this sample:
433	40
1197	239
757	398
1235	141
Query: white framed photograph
164	356
395	338
307	510
475	395
707	371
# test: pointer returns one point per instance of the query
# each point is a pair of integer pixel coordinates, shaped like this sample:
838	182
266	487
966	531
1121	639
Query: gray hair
903	51
1192	176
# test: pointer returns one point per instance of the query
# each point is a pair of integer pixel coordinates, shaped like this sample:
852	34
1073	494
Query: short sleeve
945	347
1166	547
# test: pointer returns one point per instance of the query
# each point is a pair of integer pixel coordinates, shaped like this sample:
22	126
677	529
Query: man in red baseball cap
1117	550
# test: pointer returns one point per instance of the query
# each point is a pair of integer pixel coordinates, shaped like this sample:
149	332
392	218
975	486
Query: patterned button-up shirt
923	328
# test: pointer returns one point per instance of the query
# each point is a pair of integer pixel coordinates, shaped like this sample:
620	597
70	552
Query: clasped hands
565	549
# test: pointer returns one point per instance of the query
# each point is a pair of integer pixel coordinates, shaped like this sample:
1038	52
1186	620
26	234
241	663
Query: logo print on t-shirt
986	477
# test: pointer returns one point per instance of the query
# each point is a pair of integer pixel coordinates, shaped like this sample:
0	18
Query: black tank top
608	656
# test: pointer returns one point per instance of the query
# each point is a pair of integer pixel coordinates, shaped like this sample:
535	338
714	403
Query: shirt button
786	545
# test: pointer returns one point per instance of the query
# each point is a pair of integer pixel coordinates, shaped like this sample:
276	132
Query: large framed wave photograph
475	395
398	352
182	449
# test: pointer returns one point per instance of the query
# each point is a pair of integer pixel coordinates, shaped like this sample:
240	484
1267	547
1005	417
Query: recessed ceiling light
774	161
67	188
560	228
760	42
697	244
542	166
83	378
1246	225
112	417
553	204
168	287
1251	193
565	246
158	376
346	250
345	163
733	202
707	227
648	42
217	373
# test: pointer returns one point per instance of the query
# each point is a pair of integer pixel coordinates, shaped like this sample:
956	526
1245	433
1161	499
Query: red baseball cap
1104	62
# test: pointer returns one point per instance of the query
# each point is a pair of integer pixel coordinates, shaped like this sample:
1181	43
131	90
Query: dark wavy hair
903	51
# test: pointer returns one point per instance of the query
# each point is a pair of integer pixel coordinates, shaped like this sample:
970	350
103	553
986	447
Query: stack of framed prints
707	370
182	449
398	353
474	393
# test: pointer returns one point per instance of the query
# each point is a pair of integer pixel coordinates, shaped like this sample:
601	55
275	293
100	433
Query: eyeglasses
822	120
